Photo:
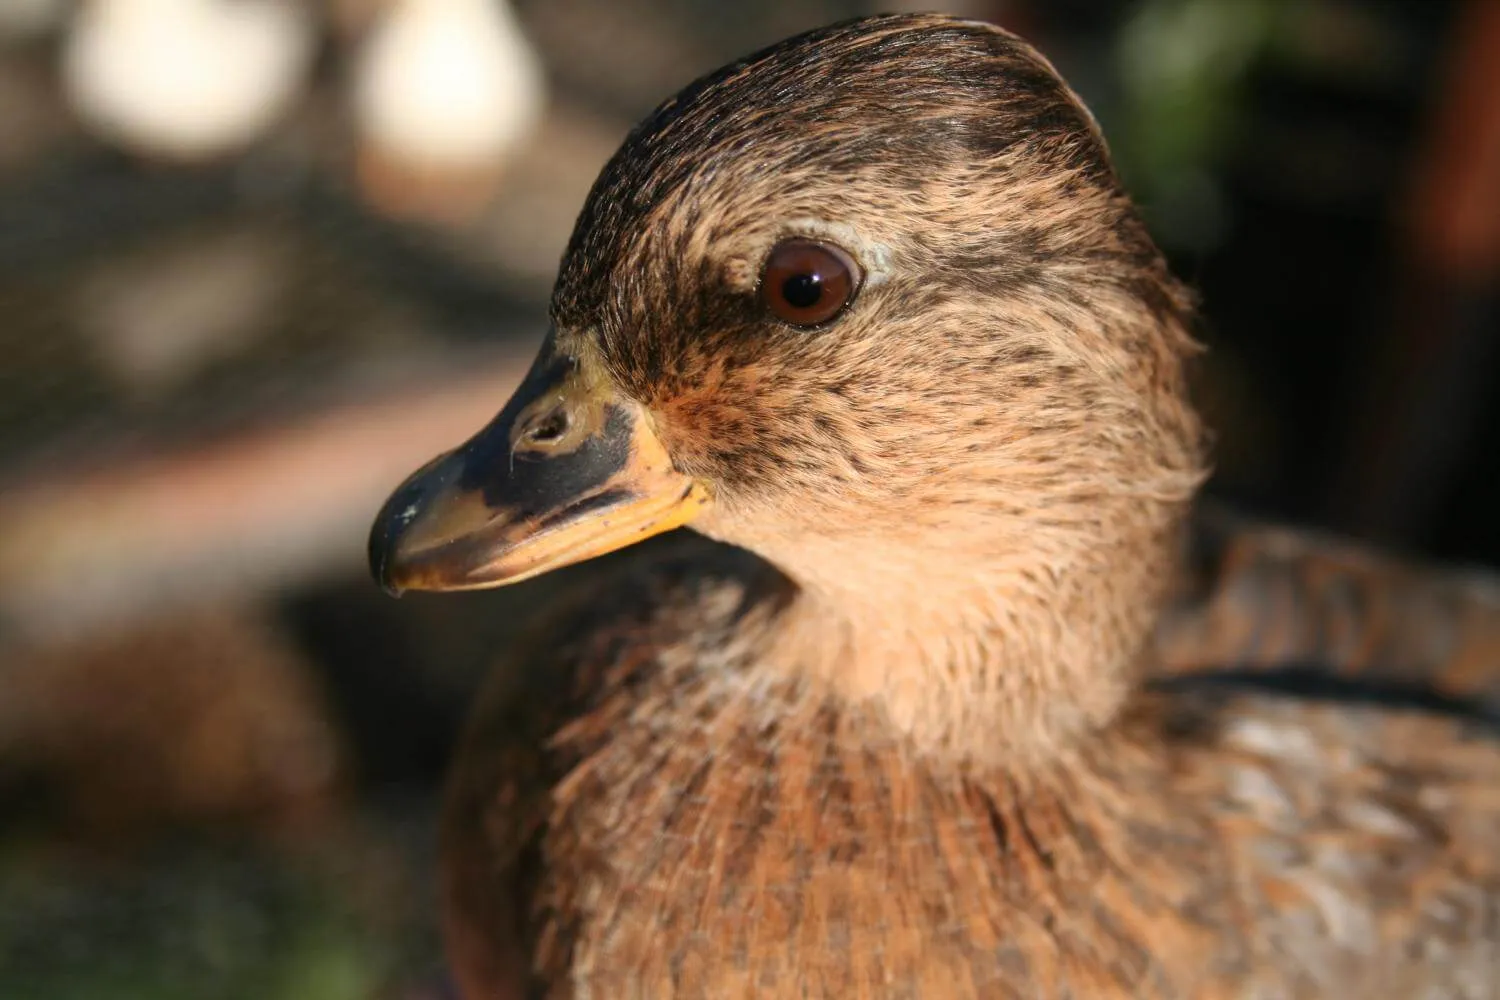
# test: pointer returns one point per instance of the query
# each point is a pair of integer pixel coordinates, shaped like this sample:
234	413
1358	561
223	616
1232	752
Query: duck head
872	304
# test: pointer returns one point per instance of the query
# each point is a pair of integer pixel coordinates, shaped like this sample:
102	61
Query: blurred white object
27	19
444	92
186	79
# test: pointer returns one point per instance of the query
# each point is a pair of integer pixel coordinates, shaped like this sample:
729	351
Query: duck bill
568	471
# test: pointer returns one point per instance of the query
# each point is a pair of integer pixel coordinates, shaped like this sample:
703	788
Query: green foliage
200	928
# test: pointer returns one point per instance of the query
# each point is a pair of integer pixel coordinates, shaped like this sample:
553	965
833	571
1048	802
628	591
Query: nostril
549	429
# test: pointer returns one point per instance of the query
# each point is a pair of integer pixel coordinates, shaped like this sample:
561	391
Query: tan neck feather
992	651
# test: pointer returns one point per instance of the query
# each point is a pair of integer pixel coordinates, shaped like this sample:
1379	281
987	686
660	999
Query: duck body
687	833
954	716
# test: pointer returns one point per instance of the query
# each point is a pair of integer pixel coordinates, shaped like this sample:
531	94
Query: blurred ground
220	745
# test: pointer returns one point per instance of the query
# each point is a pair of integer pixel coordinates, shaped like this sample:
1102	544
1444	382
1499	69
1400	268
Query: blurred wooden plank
251	514
1454	217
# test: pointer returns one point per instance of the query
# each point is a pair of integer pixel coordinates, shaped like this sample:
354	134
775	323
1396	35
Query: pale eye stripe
874	258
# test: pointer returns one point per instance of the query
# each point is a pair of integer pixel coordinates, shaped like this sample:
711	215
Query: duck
445	93
939	696
186	81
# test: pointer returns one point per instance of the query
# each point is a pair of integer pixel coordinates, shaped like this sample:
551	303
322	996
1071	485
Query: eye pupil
802	290
807	283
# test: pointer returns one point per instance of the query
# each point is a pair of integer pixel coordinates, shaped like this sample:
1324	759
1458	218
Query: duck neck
1005	652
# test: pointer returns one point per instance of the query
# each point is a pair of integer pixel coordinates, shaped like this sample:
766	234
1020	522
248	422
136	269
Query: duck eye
807	283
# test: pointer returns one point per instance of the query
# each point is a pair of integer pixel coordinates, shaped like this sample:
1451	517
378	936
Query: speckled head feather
962	170
1001	408
897	93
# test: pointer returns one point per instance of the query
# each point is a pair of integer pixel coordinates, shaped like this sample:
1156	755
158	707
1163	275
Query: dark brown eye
806	283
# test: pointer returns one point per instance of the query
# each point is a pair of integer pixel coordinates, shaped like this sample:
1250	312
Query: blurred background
261	258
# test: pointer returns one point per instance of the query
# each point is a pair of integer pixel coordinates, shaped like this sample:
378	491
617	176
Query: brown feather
1267	597
973	735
